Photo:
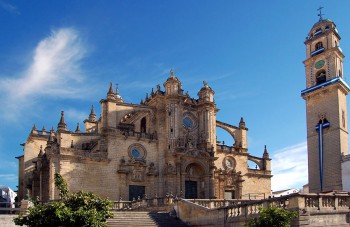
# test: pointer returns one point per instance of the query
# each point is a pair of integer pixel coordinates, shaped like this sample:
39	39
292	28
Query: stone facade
164	145
326	111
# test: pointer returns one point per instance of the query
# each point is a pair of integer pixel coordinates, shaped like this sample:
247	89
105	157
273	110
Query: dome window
318	31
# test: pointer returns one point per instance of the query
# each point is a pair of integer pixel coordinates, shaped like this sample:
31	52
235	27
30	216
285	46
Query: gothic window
318	45
143	125
321	77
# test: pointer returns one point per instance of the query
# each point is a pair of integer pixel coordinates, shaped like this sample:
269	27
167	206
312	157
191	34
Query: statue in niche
123	168
191	171
152	169
170	169
229	180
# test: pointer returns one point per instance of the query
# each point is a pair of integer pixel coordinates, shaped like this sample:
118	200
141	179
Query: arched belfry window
321	77
143	125
318	45
340	74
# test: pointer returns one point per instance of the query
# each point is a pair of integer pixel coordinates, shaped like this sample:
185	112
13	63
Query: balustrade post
155	200
335	201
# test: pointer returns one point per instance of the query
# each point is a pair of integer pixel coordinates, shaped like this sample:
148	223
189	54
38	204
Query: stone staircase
144	218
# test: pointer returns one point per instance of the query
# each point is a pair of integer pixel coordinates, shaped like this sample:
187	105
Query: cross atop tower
320	14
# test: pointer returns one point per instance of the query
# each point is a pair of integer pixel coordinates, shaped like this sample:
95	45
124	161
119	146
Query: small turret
34	129
77	130
92	116
118	97
41	153
62	126
242	123
266	154
51	139
43	130
110	94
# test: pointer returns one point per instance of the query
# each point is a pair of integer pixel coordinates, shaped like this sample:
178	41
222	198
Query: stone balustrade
139	203
320	209
215	203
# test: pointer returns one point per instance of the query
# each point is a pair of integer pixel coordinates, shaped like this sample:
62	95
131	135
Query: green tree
73	210
272	217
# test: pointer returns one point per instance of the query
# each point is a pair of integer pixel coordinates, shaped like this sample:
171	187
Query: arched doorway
194	181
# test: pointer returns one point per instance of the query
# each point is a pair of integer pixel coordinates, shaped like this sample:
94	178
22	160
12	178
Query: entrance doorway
136	192
191	190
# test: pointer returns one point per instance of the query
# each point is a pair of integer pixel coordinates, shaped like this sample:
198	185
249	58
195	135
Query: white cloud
9	177
8	165
289	167
9	8
54	71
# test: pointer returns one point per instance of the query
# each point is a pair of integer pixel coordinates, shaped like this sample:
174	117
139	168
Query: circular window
187	122
229	163
137	151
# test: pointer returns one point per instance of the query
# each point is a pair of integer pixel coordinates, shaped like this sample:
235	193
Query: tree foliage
272	217
75	210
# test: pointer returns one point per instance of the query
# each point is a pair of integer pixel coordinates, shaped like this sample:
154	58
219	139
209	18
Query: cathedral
166	145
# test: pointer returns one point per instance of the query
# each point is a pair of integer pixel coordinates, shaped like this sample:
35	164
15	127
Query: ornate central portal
136	192
191	190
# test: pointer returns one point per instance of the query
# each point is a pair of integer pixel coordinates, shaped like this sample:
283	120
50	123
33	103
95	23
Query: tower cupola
324	57
206	94
173	85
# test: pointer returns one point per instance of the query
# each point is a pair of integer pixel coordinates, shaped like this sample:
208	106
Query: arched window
143	125
340	74
318	45
321	77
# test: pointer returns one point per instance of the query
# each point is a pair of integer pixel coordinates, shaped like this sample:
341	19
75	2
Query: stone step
139	218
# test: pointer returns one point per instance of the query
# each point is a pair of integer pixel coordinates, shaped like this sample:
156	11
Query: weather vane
320	14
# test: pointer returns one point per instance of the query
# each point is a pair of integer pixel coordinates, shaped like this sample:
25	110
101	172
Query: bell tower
326	112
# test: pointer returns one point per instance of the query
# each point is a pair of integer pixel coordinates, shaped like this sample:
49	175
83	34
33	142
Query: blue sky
61	55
